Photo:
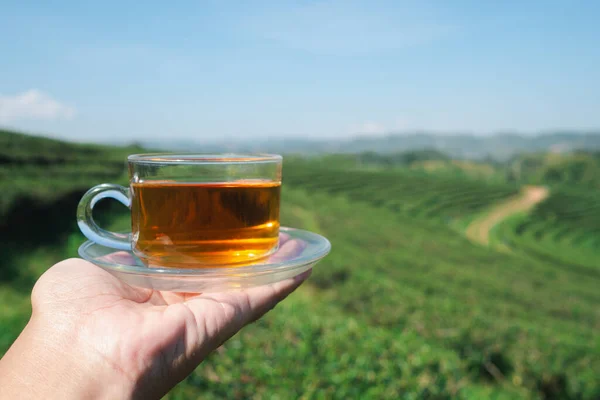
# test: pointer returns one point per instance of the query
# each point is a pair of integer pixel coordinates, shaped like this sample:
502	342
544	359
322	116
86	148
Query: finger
119	257
283	237
289	249
221	315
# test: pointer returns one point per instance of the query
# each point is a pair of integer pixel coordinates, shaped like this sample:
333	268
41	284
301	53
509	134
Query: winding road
479	230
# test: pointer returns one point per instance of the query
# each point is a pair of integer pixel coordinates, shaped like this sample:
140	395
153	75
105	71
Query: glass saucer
298	251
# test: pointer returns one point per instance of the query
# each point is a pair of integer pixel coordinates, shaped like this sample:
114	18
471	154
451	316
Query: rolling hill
405	306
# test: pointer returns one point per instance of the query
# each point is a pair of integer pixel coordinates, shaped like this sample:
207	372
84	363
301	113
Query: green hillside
563	230
442	196
572	169
41	181
404	306
45	169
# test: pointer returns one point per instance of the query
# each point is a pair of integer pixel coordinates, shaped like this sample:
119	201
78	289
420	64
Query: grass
404	306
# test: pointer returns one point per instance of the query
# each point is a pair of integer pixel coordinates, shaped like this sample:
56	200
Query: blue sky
224	70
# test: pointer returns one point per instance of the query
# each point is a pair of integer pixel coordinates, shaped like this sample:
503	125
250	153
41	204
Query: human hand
93	336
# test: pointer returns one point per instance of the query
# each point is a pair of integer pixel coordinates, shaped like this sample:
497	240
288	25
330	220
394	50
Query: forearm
39	365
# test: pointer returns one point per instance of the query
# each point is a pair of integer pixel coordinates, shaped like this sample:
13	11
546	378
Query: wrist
45	362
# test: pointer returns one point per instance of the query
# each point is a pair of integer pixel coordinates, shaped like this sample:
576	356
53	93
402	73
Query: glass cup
189	211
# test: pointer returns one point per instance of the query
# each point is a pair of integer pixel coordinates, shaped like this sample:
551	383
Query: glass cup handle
85	220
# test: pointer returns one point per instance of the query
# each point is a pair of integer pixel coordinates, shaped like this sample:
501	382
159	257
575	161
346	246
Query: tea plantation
563	230
403	307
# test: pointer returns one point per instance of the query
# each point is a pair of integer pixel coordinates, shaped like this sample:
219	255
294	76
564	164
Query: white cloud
33	105
378	128
370	128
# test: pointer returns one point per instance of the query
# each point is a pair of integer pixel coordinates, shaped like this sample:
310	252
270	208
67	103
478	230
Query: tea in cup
194	211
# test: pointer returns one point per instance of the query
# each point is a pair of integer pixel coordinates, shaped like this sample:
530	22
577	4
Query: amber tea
179	224
193	210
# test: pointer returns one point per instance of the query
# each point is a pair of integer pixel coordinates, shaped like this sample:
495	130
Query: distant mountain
500	146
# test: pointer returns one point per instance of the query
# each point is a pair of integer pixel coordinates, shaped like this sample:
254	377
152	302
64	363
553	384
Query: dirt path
479	230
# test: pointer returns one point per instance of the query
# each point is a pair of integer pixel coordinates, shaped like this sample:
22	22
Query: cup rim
203	158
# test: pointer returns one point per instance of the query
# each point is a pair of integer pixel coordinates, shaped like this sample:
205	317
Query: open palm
152	339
